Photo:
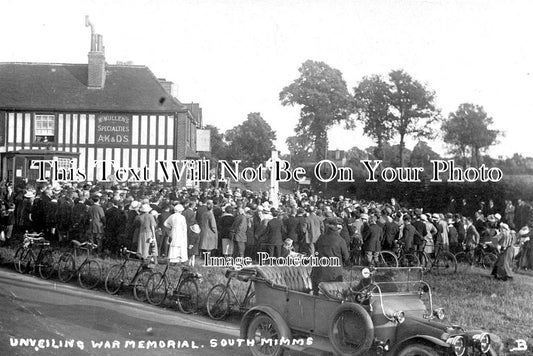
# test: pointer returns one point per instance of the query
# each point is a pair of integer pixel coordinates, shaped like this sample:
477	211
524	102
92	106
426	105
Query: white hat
134	205
524	231
145	208
498	216
504	226
179	208
195	228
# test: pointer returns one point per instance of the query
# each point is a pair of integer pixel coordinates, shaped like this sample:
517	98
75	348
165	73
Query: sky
235	56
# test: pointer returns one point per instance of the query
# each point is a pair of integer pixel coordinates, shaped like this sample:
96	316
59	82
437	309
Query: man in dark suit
411	237
273	235
372	241
239	228
330	244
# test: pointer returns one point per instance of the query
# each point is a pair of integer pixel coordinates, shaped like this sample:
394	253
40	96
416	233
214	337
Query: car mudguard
272	313
428	339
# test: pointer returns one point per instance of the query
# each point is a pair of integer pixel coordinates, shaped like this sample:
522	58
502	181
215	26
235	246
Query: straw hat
524	231
135	205
195	228
179	208
145	208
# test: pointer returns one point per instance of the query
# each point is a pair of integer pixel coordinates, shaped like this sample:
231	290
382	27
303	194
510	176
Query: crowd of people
182	223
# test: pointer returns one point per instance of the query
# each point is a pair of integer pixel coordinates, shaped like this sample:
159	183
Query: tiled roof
63	87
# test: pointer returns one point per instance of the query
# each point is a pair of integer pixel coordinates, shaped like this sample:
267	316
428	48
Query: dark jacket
411	236
390	233
274	232
239	228
330	244
372	238
291	224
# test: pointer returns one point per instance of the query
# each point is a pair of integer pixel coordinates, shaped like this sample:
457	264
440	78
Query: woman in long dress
503	267
147	224
177	224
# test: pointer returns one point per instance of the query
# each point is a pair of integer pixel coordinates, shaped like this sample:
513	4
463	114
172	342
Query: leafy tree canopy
323	95
467	130
412	108
372	98
219	147
252	141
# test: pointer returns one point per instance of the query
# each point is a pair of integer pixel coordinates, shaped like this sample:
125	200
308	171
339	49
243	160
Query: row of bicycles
441	262
156	287
35	256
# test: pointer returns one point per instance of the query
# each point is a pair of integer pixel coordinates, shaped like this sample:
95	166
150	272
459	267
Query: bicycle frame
239	302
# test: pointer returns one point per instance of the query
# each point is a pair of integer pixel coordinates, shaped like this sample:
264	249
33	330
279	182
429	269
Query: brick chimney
169	86
96	70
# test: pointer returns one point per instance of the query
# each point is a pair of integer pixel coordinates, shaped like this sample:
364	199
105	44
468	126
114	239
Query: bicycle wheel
115	279
139	284
218	302
90	274
66	268
445	263
156	289
388	259
489	260
187	296
409	260
26	261
46	265
250	301
17	257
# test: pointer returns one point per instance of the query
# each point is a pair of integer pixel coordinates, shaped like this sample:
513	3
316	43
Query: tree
251	141
422	155
372	103
325	101
467	129
219	147
412	108
300	148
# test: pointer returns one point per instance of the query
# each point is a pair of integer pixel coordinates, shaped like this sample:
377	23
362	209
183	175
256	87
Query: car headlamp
365	272
439	313
482	341
399	316
458	345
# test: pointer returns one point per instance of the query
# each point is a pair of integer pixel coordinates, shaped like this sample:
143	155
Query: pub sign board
113	130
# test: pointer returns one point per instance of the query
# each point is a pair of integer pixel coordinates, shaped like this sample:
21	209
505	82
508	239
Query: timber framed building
88	112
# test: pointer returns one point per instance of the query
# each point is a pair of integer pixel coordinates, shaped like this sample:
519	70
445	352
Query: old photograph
267	178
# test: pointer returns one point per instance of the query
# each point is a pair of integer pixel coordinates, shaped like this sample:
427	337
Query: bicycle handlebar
84	245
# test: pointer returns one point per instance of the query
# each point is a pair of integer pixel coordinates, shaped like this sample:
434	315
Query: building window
45	126
63	163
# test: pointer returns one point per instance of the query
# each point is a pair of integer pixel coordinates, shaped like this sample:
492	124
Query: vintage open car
384	311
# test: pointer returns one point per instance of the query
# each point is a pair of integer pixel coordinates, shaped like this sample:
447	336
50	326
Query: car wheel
262	327
418	350
352	331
